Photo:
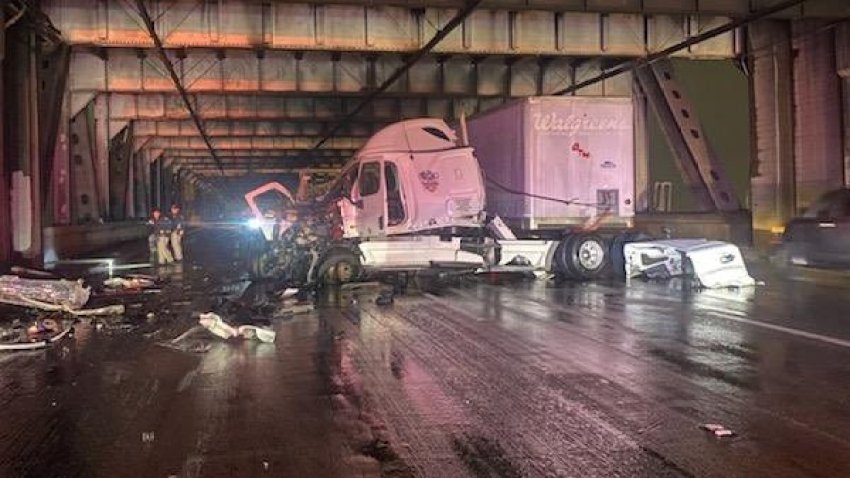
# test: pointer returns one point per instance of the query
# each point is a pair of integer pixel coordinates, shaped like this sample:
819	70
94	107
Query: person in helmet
161	231
178	228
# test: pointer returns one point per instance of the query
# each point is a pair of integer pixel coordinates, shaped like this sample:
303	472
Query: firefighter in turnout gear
161	229
177	231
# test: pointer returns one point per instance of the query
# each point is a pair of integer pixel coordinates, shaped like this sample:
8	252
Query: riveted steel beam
597	27
703	171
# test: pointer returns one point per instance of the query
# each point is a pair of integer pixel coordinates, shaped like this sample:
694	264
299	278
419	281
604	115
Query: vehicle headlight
254	223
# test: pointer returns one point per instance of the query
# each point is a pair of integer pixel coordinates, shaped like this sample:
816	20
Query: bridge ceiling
272	78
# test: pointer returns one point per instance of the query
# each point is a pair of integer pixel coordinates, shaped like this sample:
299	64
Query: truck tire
339	267
262	265
584	256
618	258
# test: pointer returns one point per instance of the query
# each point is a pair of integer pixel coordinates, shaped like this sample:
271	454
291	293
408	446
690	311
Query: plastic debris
218	327
260	333
288	292
131	283
36	345
717	430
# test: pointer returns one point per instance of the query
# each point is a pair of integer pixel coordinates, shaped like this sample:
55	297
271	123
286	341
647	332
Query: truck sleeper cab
408	178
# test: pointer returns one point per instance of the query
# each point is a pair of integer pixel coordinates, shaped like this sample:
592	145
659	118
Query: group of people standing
167	235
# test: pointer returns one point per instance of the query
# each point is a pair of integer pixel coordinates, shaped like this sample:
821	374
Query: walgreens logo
556	122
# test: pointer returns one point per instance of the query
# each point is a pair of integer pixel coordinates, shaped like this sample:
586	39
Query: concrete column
772	183
817	113
842	60
5	218
22	146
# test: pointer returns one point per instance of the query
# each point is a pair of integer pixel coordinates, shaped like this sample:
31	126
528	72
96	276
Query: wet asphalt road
481	379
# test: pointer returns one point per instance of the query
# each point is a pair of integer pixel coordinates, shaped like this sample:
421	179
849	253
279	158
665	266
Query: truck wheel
339	267
586	256
262	265
562	259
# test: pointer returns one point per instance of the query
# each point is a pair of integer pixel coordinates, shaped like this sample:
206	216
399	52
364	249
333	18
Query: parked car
821	236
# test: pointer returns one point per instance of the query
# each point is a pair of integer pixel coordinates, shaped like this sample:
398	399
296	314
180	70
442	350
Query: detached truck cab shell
578	149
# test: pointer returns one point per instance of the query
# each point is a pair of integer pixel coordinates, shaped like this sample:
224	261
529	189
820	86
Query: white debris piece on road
218	327
260	333
715	264
131	283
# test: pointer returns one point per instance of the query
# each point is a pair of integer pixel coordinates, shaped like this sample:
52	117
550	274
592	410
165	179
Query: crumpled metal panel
18	291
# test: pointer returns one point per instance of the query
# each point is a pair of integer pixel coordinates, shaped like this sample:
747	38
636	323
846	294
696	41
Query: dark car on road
821	236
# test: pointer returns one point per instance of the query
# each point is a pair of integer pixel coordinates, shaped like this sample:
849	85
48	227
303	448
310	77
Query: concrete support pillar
817	112
772	183
842	60
22	143
5	206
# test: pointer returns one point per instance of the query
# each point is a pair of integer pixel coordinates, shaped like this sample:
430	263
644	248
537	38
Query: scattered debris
717	430
39	344
134	283
386	297
260	333
29	292
296	308
52	295
218	327
148	437
288	292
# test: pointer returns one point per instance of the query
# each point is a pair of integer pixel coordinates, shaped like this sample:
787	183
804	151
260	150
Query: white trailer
576	149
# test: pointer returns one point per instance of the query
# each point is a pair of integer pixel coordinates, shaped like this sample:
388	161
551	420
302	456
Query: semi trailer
542	184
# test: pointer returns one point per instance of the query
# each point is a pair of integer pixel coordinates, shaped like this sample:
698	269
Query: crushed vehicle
542	184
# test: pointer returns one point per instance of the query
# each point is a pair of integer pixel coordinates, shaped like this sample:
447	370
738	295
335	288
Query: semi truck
540	184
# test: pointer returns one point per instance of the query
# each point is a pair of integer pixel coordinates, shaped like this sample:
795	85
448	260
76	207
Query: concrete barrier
730	227
68	242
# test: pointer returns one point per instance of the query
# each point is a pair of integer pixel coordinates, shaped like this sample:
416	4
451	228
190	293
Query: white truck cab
410	177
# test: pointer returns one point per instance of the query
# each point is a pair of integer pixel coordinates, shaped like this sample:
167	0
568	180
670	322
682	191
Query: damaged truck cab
411	177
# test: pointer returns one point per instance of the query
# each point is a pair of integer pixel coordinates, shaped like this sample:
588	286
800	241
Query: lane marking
723	314
788	330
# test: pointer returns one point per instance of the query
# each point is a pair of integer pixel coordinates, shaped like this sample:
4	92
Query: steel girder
288	128
703	171
325	74
590	27
252	143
